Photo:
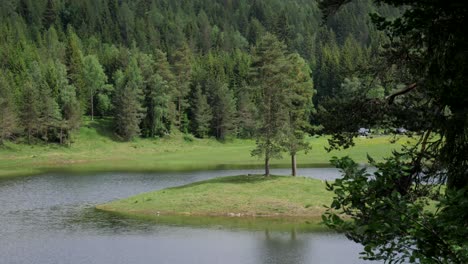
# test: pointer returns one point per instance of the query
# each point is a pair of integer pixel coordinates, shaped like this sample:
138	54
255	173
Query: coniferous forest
154	66
270	70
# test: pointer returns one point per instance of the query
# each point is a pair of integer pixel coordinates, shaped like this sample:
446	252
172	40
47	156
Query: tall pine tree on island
300	106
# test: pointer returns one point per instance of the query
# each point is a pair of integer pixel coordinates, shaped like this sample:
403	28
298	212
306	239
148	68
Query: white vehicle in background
401	130
364	132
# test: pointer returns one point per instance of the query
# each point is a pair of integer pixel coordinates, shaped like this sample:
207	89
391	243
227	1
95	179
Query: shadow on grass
104	127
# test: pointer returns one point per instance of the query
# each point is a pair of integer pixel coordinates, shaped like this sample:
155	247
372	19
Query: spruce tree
156	103
202	114
49	112
183	72
246	112
127	101
67	99
74	62
224	111
300	92
50	14
29	109
8	117
269	75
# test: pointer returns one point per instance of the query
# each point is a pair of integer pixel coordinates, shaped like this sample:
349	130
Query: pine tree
74	61
246	112
183	73
162	67
127	101
202	114
205	30
224	110
49	15
157	96
49	113
8	117
300	92
29	110
270	74
157	106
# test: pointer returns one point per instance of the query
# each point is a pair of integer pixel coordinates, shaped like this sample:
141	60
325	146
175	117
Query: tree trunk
61	135
92	108
179	110
293	164
267	166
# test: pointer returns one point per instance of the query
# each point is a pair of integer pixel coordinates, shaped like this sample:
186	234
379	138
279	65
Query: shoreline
246	197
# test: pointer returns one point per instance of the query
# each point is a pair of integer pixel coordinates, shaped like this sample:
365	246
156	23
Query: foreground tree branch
407	89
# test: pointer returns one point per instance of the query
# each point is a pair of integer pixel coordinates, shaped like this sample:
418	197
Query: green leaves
387	218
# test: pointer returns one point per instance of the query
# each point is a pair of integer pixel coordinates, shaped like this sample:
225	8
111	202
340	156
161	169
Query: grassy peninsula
95	149
238	196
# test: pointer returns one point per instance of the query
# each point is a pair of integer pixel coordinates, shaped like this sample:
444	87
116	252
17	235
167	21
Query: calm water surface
51	219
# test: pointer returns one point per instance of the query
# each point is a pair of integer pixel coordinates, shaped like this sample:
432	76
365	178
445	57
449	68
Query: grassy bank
238	196
95	149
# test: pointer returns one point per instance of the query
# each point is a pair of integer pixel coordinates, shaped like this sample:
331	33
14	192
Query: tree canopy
403	212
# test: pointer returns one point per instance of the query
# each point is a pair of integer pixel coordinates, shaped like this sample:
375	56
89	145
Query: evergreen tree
49	113
202	114
49	15
127	101
224	110
299	94
157	97
29	110
183	73
328	75
205	29
74	61
269	73
54	49
246	112
218	34
162	67
8	117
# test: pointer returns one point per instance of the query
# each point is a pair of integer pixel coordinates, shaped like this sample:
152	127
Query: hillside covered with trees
159	65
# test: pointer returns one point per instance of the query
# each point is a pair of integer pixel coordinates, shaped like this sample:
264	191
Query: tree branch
407	89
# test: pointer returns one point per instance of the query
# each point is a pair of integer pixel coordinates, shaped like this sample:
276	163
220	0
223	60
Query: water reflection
51	219
281	247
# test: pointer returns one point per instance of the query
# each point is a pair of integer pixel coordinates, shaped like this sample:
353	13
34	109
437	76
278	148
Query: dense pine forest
205	67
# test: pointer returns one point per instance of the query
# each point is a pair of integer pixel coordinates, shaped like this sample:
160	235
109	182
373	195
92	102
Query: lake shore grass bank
246	196
95	150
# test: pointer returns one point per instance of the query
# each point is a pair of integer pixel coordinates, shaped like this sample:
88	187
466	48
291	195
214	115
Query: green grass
95	149
238	196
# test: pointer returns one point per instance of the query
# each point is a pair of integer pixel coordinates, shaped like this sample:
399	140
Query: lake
51	219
